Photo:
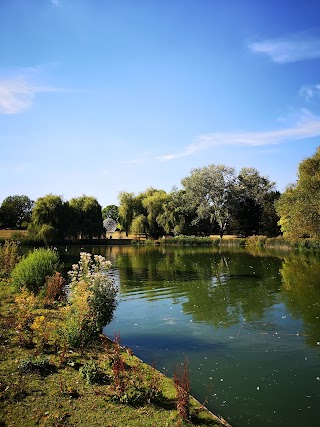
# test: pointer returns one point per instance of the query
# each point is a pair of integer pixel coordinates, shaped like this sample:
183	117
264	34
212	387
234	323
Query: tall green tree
211	191
254	208
86	217
153	201
299	205
127	208
15	211
48	220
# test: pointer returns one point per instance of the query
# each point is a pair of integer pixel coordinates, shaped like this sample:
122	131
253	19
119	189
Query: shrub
92	300
32	270
25	305
44	332
90	372
40	365
190	240
9	257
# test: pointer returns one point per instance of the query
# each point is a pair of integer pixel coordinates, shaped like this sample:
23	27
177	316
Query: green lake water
248	322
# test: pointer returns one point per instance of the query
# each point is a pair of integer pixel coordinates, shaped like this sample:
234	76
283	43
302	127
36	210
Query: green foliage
49	218
190	240
15	211
299	206
127	210
90	372
92	300
9	257
86	217
254	211
25	304
40	365
131	386
257	241
111	211
211	190
32	270
138	225
153	202
79	332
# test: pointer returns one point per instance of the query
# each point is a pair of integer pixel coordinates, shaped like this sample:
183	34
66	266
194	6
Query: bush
32	270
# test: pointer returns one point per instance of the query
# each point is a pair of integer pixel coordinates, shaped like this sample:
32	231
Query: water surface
249	324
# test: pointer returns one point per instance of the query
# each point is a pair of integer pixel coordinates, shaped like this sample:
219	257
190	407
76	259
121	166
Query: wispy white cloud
56	2
17	94
306	126
310	91
292	48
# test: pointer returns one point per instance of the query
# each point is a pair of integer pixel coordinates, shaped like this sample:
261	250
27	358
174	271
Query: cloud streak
308	126
292	48
17	95
309	92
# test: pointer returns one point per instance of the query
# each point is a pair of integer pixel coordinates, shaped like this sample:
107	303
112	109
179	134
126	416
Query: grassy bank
43	383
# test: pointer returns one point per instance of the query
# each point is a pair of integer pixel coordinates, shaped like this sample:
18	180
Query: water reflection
301	281
247	320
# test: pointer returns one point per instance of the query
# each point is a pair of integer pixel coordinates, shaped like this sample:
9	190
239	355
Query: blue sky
103	96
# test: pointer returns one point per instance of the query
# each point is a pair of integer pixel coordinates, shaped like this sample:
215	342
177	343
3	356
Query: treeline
213	200
51	218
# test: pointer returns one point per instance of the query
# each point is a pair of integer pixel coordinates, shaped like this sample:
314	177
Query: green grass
46	388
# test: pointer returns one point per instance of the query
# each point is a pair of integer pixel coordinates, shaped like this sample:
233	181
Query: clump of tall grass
9	257
33	270
257	241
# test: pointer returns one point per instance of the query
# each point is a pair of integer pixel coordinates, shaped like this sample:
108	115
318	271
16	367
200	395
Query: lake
248	322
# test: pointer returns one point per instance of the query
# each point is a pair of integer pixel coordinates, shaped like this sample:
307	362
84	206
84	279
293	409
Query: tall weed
182	386
9	257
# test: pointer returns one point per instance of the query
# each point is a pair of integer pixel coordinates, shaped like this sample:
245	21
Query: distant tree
299	205
48	220
254	208
147	207
210	190
138	225
126	210
15	211
111	211
87	217
153	201
270	219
